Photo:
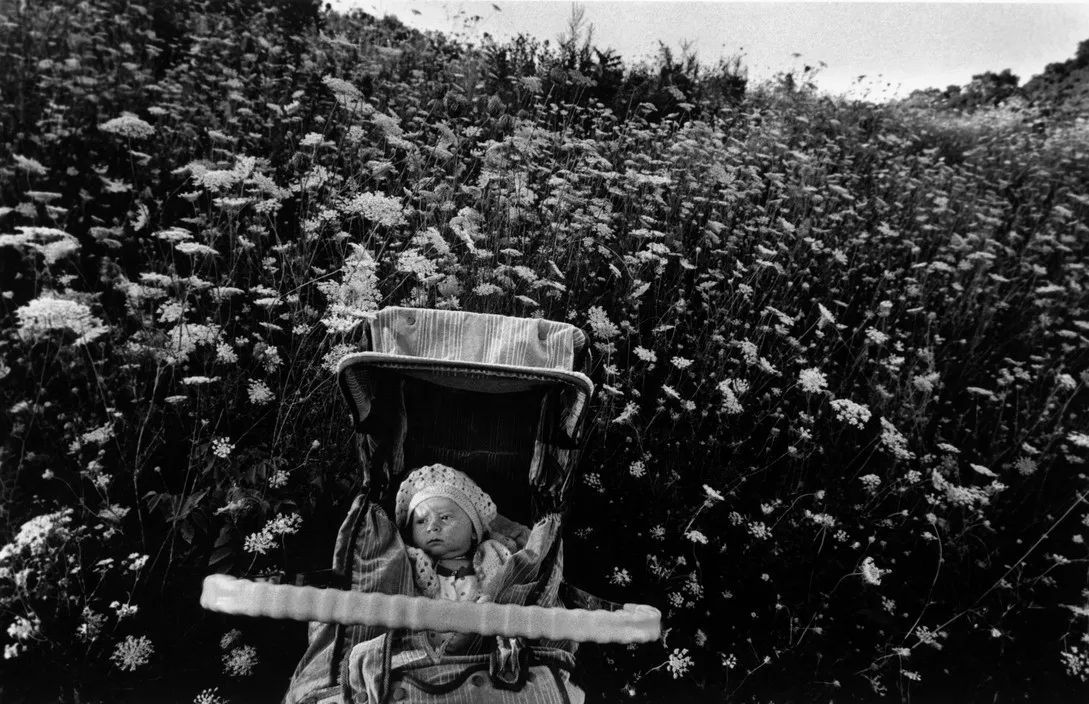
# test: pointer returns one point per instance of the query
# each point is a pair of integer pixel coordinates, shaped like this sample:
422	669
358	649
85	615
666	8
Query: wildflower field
841	432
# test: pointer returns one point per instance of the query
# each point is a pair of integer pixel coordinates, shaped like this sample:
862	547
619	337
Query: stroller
500	399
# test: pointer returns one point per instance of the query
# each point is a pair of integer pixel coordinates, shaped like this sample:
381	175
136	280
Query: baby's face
441	529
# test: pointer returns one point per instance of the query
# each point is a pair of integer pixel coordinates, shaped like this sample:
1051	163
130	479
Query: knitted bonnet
438	480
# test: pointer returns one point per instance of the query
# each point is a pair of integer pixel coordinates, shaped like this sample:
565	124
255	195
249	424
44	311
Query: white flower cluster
876	336
1076	662
47	313
620	577
850	412
812	380
182	339
712	495
1078	439
221	179
630	409
679	662
758	530
259	392
894	441
222	447
332	358
240	661
413	262
356	297
871	573
730	390
925	382
696	537
53	244
968	496
378	208
263	541
748	350
209	696
34	535
128	125
823	520
30	165
466	225
132	653
602	327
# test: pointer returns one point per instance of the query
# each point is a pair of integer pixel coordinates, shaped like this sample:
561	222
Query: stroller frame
500	399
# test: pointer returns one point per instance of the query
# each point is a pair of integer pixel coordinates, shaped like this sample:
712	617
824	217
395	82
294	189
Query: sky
898	47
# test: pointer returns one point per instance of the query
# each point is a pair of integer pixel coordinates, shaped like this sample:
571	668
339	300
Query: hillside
840	350
1063	86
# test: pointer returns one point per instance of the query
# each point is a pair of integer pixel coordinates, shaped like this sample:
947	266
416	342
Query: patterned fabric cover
474	337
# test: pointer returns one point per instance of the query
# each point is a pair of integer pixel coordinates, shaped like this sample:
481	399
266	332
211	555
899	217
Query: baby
446	517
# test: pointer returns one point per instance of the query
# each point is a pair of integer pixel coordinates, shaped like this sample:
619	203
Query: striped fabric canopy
482	338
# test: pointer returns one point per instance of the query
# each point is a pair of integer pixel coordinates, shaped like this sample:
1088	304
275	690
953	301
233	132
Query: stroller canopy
497	397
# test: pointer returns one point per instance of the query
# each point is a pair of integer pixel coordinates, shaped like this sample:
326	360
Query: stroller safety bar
635	623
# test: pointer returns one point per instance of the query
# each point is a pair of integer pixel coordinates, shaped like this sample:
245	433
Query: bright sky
898	46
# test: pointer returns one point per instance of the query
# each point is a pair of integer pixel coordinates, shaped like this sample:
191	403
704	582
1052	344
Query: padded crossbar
635	623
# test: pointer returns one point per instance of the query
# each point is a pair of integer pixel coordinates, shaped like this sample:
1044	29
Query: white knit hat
438	480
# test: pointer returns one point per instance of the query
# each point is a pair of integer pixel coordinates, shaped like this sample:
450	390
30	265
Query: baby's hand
510	529
483	599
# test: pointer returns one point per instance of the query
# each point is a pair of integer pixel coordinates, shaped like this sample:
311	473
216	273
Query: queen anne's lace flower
34	535
132	653
195	248
128	125
620	577
679	662
240	661
384	210
630	409
413	262
871	573
356	297
47	313
850	412
31	166
681	362
259	392
209	696
600	324
340	87
696	537
894	441
1078	439
876	336
812	380
222	448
